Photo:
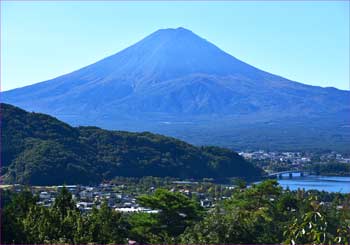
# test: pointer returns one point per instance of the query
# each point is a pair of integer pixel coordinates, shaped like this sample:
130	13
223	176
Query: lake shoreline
317	182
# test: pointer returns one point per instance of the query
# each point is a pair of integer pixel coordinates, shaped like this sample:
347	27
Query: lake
321	183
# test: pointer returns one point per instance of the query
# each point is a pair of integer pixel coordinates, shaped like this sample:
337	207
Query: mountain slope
173	71
40	150
175	77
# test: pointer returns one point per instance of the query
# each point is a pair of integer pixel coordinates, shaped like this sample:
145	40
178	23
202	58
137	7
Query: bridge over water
289	173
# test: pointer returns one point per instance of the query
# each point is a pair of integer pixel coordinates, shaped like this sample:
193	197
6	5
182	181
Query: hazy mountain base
322	133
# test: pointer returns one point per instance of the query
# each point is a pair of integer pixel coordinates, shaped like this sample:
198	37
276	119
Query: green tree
175	211
249	216
312	227
143	228
13	214
64	202
106	226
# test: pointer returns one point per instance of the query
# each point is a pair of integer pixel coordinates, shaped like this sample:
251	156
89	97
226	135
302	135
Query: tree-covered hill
38	149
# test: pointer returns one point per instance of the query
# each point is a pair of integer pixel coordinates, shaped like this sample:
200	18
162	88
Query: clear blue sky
303	41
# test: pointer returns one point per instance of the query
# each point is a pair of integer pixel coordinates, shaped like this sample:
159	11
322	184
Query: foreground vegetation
262	213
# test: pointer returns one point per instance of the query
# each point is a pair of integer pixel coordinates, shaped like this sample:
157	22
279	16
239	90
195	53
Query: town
274	161
121	194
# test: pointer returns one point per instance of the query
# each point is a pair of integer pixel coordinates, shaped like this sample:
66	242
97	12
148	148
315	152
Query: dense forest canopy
38	149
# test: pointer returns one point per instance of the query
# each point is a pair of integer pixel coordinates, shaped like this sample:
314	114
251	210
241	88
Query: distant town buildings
292	160
88	197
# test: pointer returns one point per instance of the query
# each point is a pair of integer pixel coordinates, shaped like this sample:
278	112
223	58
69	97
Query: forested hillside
38	149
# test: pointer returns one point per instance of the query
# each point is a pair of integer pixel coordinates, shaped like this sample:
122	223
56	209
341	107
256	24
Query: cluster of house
86	197
294	158
334	156
290	157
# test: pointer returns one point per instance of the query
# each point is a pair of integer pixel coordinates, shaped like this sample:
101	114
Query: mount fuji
177	83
